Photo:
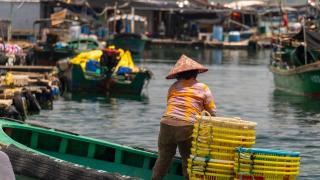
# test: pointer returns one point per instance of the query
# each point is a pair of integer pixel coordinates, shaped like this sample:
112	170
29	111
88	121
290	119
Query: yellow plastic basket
266	163
268	158
261	168
263	162
206	168
223	130
227	142
223	135
218	136
215	140
212	154
225	122
211	163
199	148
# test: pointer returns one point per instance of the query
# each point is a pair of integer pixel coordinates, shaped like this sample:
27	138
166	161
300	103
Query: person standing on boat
186	98
285	20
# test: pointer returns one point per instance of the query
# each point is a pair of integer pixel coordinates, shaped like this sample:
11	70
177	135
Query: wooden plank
28	68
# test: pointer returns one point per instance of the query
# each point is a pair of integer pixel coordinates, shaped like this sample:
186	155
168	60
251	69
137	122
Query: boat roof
157	5
5	21
312	38
277	10
243	4
128	17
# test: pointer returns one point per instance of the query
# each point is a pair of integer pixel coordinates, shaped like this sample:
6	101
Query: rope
238	161
252	176
21	4
196	145
207	158
251	163
193	158
197	138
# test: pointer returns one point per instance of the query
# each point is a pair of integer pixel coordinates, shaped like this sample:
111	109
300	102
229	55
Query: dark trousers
171	137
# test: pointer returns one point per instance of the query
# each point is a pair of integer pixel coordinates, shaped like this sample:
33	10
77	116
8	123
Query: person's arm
209	104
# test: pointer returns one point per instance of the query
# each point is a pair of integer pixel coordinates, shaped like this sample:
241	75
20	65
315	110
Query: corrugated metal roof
162	5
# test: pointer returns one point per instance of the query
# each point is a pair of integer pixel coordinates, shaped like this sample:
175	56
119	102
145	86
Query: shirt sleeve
209	104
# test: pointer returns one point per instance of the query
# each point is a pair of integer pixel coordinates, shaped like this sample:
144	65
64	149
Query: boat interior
89	152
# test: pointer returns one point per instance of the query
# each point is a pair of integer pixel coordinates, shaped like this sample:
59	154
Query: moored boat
135	43
304	80
129	29
117	84
49	55
63	154
101	71
56	42
295	64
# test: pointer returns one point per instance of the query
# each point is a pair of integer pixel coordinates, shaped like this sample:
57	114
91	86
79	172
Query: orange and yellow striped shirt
188	98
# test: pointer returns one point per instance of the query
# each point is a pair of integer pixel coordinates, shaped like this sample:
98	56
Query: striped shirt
188	98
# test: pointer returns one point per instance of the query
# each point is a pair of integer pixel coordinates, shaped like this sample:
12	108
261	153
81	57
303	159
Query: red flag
285	20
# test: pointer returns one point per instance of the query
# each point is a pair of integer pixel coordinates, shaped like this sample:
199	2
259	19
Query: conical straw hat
185	64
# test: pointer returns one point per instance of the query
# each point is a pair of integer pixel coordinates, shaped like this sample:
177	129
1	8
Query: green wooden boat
47	55
76	80
304	80
296	69
135	43
71	151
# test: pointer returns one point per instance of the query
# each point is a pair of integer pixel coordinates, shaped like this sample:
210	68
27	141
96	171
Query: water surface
242	87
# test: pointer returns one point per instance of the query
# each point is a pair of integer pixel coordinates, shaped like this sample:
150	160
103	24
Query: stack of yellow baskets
266	164
213	147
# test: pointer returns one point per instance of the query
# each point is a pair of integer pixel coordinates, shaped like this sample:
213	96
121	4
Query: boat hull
78	82
135	44
80	151
45	57
302	81
49	56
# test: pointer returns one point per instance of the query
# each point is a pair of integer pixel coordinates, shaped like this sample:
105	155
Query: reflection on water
207	56
299	106
242	87
104	98
298	120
